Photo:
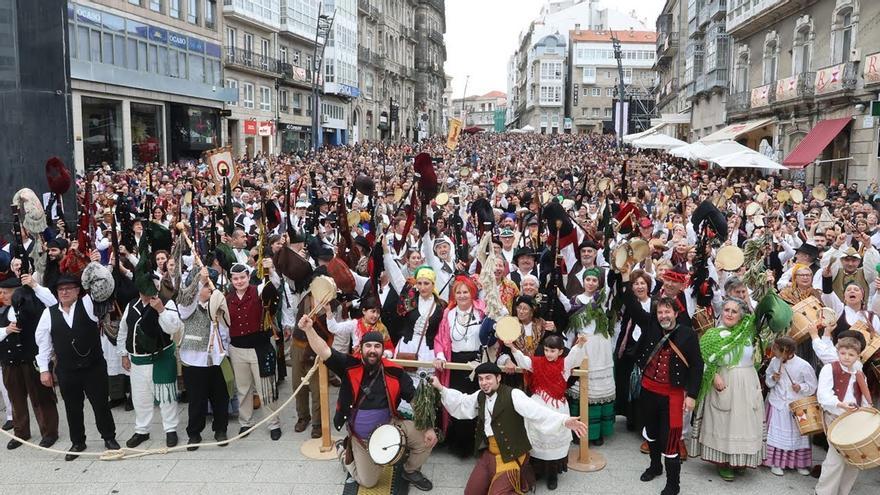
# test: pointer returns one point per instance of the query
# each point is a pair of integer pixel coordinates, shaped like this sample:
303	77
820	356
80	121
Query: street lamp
322	31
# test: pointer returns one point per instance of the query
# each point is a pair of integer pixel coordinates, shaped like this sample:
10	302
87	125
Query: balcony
792	89
694	28
241	59
703	17
374	13
763	96
667	43
836	79
752	16
408	33
717	9
738	102
364	6
689	90
669	89
283	108
436	36
718	78
700	84
436	4
244	11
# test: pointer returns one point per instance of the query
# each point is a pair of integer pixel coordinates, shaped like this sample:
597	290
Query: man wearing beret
502	443
371	391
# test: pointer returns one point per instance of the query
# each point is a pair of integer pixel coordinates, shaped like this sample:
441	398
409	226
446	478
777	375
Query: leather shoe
552	482
316	431
47	442
301	424
171	439
242	430
682	451
193	440
644	448
7	425
418	480
597	442
77	447
220	436
111	444
137	439
650	474
13	444
275	434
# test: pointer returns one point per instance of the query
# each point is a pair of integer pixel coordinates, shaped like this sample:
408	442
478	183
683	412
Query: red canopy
473	130
813	143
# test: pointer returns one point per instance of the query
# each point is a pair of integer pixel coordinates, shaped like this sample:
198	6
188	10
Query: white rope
127	453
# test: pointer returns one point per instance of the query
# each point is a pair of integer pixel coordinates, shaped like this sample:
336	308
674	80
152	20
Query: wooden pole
321	448
582	459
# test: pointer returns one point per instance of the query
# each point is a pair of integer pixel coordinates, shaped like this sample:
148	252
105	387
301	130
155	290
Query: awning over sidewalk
629	138
813	143
733	131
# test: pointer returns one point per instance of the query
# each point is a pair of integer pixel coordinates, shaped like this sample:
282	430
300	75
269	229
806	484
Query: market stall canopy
629	138
813	143
747	159
658	141
717	150
691	151
527	128
733	131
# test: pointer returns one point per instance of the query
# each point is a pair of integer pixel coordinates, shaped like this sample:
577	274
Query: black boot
673	473
552	481
655	469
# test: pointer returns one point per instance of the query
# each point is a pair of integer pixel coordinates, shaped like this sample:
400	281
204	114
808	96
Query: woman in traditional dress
801	286
528	342
549	374
625	348
728	422
420	325
458	341
589	316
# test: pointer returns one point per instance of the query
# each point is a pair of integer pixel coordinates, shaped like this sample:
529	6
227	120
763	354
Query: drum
387	444
868	334
702	321
872	348
856	435
804	315
808	415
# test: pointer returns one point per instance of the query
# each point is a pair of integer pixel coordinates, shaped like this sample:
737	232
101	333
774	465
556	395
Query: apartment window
135	2
585	90
589	74
282	101
174	8
843	34
329	72
294	57
551	94
741	84
801	51
595	112
609	92
265	98
608	112
231	41
156	5
596	92
232	84
210	8
248	95
297	101
770	60
282	54
627	75
551	71
248	54
264	52
192	11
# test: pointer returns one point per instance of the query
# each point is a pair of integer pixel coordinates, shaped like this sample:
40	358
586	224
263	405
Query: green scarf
722	347
593	311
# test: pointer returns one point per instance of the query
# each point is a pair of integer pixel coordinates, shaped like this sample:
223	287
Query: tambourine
730	258
508	329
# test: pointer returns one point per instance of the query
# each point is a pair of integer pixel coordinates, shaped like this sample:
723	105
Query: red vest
392	386
841	383
245	314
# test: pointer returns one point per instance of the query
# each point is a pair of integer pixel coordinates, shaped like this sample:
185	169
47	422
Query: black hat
487	369
325	253
10	283
373	337
523	251
587	243
362	242
808	249
525	300
68	278
58	243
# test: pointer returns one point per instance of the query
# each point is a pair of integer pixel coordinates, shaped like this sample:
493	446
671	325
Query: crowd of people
672	279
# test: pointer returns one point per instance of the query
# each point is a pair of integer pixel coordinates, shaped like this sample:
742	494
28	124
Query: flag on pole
454	132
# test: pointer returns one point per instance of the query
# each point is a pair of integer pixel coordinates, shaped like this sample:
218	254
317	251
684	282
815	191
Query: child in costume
549	373
789	378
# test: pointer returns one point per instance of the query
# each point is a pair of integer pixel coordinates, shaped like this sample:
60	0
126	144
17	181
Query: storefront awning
813	143
733	131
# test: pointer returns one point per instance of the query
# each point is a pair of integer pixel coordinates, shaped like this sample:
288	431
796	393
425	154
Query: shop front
295	138
102	133
193	130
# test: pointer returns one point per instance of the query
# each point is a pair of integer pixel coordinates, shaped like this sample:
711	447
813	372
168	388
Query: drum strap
863	386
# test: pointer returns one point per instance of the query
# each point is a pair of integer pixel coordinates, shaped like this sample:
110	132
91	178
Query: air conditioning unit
325	119
855	55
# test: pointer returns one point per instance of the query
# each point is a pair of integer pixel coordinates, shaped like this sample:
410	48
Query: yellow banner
454	132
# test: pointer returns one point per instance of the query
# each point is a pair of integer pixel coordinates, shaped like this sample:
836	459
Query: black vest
412	318
78	347
21	347
507	425
143	324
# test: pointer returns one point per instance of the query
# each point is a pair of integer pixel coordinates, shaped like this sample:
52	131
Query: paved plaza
258	466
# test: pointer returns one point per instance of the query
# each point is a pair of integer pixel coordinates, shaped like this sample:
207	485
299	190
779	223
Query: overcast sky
482	34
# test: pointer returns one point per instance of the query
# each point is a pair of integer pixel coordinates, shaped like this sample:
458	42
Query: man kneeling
371	390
